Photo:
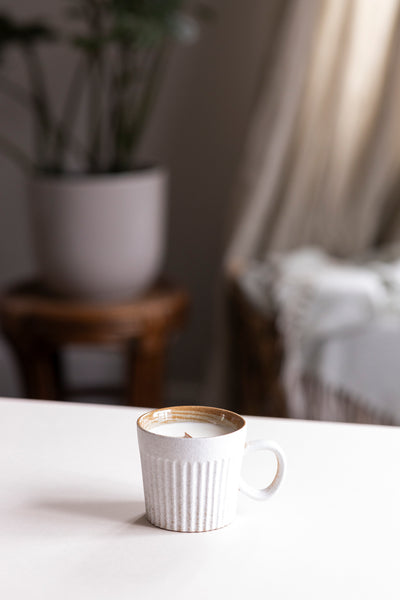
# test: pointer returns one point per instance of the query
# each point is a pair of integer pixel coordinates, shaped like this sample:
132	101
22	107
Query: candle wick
187	435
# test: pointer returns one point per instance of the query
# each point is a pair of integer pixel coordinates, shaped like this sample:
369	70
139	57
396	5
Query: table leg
40	369
146	369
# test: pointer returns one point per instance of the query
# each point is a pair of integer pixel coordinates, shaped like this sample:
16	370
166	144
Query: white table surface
72	522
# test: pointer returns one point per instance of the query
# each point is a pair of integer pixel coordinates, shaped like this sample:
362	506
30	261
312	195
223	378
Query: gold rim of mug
203	414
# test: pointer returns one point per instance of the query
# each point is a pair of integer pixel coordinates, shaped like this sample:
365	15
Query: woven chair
256	357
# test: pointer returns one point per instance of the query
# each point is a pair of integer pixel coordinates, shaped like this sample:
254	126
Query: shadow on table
129	512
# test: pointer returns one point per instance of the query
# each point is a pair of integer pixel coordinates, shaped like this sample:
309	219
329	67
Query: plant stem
40	104
96	83
15	91
63	137
14	153
139	119
91	100
95	114
120	117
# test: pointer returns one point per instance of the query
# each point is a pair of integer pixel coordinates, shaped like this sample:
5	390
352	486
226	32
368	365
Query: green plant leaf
89	44
138	31
124	47
158	10
12	32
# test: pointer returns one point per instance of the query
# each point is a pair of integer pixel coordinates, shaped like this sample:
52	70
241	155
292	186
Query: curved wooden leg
39	367
146	370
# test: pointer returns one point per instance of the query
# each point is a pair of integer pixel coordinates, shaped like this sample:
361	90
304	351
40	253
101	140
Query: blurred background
196	130
279	129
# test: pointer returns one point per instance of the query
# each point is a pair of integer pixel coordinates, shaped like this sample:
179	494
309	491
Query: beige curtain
322	159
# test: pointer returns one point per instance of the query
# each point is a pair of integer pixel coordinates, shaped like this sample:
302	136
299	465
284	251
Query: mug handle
263	494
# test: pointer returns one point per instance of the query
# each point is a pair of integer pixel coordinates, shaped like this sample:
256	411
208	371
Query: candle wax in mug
195	429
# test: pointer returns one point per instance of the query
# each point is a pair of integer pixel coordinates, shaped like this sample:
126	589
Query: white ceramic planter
100	237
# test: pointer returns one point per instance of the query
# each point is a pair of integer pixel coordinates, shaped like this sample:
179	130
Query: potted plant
98	214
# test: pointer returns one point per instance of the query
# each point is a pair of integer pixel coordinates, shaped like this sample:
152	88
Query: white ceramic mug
191	459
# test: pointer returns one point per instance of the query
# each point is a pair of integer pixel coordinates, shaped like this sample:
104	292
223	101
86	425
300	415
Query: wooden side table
38	326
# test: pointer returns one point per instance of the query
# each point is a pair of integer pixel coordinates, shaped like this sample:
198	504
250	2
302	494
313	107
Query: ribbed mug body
191	485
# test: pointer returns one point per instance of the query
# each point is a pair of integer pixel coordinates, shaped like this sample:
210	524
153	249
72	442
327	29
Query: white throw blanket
340	322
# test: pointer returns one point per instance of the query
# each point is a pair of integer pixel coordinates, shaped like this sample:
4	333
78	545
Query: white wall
197	130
